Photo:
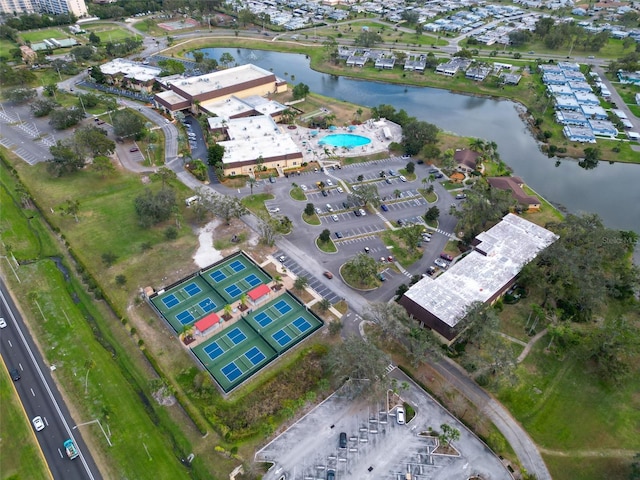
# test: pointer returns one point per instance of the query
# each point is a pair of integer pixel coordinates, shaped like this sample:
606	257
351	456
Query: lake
611	190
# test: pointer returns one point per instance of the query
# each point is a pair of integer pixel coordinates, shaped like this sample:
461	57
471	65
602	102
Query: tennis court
240	350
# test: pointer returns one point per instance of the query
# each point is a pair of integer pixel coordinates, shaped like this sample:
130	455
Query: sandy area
206	254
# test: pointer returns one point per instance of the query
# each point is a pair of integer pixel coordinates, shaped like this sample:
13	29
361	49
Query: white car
362	212
440	263
274	210
403	178
335	218
3	322
303	187
329	182
340	190
38	424
400	418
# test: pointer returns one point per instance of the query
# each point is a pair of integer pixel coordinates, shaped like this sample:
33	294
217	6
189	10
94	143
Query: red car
446	257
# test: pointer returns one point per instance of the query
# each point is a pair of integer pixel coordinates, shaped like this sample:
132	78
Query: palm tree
228	309
425	180
477	145
397	193
251	181
243	301
278	280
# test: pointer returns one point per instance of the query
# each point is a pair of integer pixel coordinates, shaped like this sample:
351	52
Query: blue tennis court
192	289
170	301
231	371
236	336
185	317
255	356
263	319
301	324
283	307
217	276
252	280
207	305
233	290
237	266
281	337
213	350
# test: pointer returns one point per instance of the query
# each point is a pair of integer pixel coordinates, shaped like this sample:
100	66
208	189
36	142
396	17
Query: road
40	396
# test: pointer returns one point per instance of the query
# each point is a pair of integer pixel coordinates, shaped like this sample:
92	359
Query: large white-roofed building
483	275
132	75
252	140
192	93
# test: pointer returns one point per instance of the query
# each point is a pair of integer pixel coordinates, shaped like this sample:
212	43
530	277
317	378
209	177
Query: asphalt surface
40	397
377	446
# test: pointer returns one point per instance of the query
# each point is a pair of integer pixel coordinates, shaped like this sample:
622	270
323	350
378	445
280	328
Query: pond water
611	190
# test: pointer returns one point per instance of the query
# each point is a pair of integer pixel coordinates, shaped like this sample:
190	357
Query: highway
39	396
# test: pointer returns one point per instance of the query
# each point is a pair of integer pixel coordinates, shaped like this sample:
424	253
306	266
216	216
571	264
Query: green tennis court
242	348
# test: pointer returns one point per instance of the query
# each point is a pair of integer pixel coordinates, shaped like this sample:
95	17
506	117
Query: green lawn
6	46
20	456
39	35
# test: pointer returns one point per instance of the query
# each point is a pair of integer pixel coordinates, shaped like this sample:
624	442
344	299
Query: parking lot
377	446
314	282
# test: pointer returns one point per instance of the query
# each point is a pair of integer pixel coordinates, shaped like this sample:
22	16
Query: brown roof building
515	184
466	159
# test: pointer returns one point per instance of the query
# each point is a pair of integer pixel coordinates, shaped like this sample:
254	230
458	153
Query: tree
171	67
121	280
300	283
165	175
356	360
24	195
65	159
300	91
93	141
103	166
635	468
591	158
366	194
391	318
411	235
94	39
109	258
309	209
198	56
43	107
50	89
324	305
62	118
410	168
423	342
432	214
226	59
480	322
98	76
154	208
417	134
324	236
397	193
368	39
449	434
214	154
71	208
20	94
127	124
362	266
251	181
227	207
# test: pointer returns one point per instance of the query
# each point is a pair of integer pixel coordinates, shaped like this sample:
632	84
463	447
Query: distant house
632	78
477	73
515	184
466	159
28	54
578	133
510	78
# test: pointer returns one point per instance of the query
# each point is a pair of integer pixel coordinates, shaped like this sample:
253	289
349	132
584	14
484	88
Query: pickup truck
70	448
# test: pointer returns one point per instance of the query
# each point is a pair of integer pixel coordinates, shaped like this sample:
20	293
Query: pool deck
325	154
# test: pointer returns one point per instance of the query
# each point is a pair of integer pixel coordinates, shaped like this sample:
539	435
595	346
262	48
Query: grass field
39	35
114	35
20	456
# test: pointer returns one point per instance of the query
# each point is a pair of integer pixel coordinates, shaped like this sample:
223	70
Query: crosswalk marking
390	368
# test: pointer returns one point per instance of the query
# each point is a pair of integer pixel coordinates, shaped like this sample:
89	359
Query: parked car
434	170
391	172
329	208
340	190
403	178
388	180
362	212
134	149
303	187
357	213
318	211
325	193
367	249
335	218
431	270
272	180
440	263
329	275
338	234
446	257
346	204
329	182
274	210
3	322
461	196
438	175
381	277
400	417
342	442
384	208
331	474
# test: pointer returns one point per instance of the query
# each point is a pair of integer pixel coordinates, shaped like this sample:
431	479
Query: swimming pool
344	140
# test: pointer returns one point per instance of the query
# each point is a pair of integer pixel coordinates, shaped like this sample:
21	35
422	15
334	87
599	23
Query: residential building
577	133
466	159
55	7
483	275
516	186
124	73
